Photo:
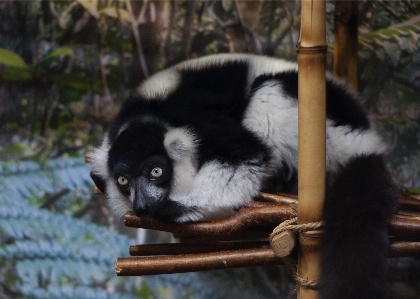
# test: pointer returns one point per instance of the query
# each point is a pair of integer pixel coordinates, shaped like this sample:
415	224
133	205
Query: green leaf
16	73
12	59
62	51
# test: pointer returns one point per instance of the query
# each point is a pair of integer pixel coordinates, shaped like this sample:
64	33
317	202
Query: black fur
100	183
284	180
342	106
204	96
212	102
358	205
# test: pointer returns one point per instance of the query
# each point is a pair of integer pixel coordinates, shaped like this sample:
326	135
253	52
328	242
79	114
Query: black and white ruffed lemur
199	140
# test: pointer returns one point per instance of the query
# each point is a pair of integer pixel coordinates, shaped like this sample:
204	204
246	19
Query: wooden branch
255	214
186	248
405	228
400	249
281	198
258	218
196	262
397	249
204	257
248	234
409	201
401	227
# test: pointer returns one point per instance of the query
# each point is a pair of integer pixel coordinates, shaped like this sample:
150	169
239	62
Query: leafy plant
390	76
49	255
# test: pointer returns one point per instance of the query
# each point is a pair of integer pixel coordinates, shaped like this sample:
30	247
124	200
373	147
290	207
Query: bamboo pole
346	42
312	47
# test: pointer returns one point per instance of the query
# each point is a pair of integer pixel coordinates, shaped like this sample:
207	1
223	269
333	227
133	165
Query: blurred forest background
66	66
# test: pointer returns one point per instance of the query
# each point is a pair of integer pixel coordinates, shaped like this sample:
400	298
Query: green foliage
390	84
49	255
31	180
13	67
11	59
396	46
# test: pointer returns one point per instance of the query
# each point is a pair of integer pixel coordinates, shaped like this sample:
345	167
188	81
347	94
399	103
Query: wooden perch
254	214
196	262
268	214
185	248
177	258
254	221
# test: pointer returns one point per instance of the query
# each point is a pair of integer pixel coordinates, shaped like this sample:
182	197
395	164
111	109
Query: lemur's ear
99	182
179	143
97	160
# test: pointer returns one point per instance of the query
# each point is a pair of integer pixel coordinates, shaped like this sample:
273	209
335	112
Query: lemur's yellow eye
123	181
156	172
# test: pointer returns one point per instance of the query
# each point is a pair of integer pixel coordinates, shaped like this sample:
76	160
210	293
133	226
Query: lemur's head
144	168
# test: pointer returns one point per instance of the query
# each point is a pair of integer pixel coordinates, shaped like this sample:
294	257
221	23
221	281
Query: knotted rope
291	225
286	232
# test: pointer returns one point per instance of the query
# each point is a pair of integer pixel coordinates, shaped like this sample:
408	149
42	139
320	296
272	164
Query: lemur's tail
358	206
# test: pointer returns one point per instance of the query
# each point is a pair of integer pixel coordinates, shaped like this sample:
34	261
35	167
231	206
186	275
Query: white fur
218	189
258	65
343	143
98	161
118	203
273	117
160	85
180	144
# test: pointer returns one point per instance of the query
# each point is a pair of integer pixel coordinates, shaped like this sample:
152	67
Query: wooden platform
242	239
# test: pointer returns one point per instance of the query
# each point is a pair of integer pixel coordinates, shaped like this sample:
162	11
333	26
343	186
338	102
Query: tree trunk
345	42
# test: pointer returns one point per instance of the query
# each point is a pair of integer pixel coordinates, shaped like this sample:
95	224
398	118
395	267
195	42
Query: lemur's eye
122	180
156	172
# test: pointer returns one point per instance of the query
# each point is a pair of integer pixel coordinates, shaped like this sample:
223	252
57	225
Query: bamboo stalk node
311	49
